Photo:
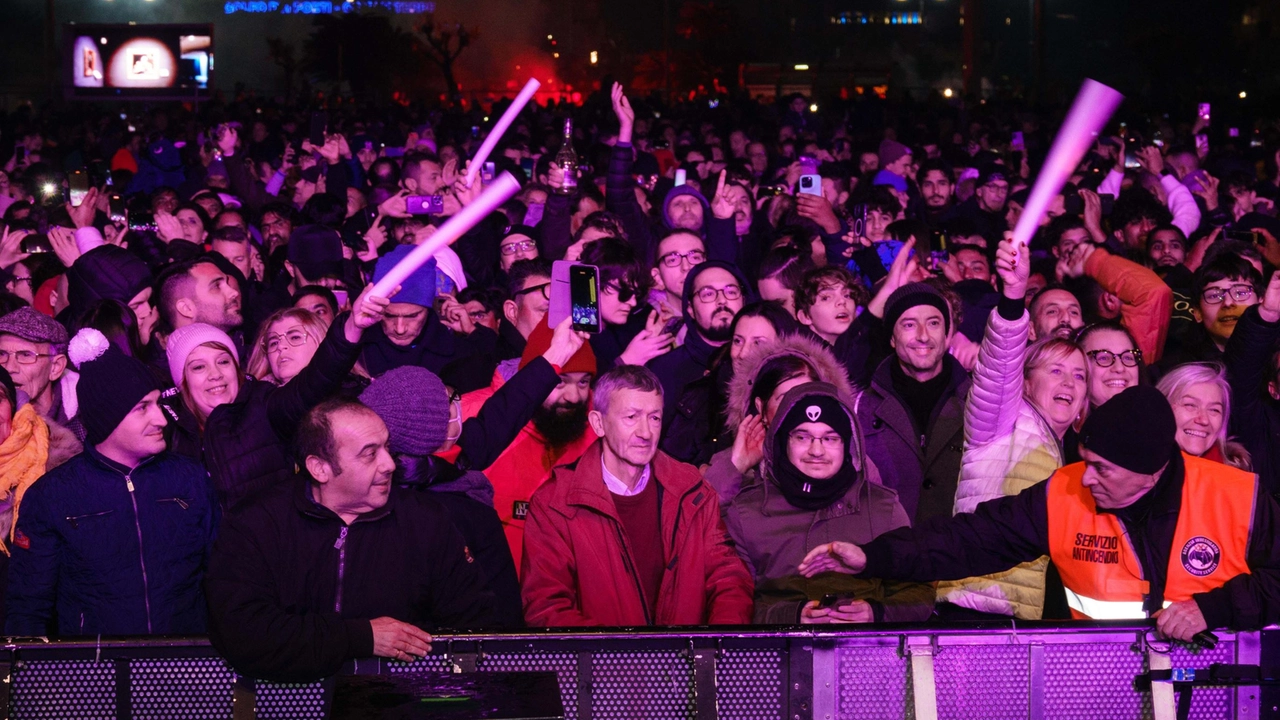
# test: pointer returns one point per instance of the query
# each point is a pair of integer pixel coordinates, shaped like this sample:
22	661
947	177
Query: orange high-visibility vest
1099	568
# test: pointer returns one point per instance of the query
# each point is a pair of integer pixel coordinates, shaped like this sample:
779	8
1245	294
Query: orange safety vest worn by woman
1098	565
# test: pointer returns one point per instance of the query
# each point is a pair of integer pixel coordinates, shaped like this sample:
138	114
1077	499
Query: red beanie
540	340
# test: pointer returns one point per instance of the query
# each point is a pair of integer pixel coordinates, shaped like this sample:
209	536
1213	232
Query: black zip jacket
1006	531
292	588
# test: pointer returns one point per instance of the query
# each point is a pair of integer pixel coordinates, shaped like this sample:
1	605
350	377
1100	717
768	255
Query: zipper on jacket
71	519
635	576
923	442
81	623
341	546
179	501
137	523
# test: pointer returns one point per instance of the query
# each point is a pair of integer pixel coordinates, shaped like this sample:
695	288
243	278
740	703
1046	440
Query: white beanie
186	339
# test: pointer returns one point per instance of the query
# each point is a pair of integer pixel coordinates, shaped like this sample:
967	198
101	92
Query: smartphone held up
575	293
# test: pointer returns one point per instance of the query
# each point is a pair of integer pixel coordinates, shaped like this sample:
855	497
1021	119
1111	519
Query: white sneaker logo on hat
813	412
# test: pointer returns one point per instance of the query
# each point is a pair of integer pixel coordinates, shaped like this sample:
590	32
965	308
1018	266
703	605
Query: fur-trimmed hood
813	352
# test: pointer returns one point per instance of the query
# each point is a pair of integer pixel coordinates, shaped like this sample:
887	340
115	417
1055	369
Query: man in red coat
629	535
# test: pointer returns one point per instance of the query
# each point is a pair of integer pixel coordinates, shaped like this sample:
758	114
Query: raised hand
168	228
374	237
565	343
900	273
721	207
626	116
1269	309
819	210
11	247
63	242
366	311
1013	265
649	344
1208	191
82	216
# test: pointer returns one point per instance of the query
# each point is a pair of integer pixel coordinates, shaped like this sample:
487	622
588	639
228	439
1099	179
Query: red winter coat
578	570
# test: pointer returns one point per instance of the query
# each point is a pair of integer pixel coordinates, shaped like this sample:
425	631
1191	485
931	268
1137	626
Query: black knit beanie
1135	430
111	383
911	295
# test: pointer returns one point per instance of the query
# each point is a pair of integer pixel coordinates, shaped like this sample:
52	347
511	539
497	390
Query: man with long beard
714	292
557	434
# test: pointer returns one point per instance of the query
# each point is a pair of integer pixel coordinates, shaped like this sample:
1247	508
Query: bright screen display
139	60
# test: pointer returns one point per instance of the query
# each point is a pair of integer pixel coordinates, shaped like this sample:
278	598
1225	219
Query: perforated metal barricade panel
983	682
64	689
1095	681
749	684
180	689
653	685
290	702
563	664
873	683
1208	703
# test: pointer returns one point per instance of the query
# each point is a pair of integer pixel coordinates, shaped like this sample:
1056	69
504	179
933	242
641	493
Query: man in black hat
912	412
1138	529
114	541
986	209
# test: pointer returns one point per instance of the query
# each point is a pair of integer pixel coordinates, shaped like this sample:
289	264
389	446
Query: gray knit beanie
413	403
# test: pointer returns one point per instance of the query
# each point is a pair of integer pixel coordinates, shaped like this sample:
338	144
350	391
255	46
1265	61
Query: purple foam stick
1093	107
504	122
502	189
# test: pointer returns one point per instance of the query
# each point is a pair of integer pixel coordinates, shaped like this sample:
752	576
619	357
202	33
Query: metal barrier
1039	670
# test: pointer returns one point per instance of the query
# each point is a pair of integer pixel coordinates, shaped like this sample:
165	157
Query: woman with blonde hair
1022	402
1201	401
288	341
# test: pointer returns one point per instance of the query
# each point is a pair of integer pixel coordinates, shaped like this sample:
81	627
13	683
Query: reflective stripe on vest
1091	608
1099	568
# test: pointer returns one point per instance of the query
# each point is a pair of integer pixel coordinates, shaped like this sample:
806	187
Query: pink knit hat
186	339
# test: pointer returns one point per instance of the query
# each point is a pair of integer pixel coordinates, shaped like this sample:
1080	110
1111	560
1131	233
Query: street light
1243	94
595	57
802	67
947	93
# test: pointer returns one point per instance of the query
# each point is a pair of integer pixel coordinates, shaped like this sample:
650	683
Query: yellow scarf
23	457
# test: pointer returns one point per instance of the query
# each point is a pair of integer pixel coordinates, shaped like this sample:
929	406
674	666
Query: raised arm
992	406
333	360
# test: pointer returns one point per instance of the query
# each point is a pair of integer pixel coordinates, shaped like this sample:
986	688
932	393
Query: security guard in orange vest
1138	529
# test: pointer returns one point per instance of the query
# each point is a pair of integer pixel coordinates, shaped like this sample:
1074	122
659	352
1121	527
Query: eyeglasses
24	357
17	279
295	338
624	292
708	294
804	439
516	247
1240	293
1106	358
673	259
544	287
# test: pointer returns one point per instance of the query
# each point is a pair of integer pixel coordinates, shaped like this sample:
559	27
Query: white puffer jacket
1008	447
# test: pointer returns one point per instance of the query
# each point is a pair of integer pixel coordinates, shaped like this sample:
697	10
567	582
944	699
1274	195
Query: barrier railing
1037	670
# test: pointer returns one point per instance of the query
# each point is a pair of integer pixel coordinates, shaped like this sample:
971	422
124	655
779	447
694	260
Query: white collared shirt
617	487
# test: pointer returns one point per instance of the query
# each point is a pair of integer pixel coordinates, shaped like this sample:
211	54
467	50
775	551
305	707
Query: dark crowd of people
828	386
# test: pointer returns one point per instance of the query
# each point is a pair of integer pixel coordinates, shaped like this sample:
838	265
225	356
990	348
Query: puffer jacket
100	549
1008	447
246	442
773	536
721	473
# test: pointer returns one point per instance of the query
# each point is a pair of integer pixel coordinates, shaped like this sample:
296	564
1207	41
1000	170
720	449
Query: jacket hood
106	272
813	352
684	190
794	397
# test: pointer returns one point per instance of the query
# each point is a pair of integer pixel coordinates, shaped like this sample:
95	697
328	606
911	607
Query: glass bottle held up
567	160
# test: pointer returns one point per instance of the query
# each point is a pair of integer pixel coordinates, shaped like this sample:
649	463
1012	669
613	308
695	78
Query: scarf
23	457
